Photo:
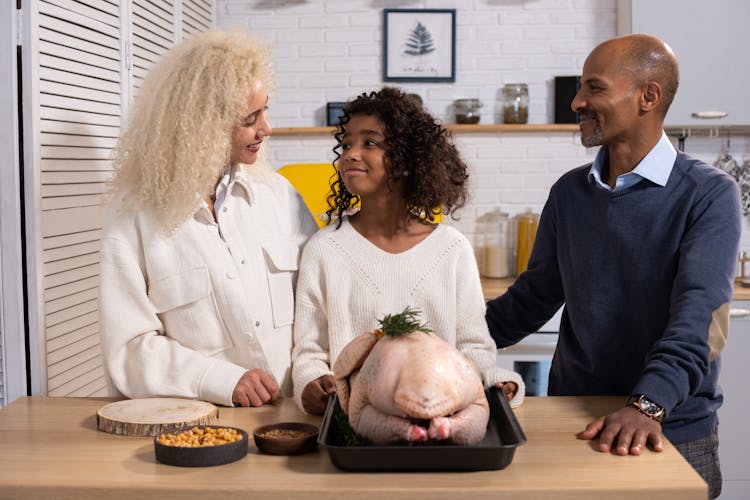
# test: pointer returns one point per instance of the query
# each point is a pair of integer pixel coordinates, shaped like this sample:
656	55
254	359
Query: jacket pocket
282	262
186	307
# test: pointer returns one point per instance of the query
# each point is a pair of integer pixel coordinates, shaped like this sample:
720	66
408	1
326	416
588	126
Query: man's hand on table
627	431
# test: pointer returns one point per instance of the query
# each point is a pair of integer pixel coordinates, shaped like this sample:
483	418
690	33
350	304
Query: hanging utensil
726	162
743	181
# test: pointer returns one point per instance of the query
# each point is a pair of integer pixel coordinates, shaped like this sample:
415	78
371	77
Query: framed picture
419	44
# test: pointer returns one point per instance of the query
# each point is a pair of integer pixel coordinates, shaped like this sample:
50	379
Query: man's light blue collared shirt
655	166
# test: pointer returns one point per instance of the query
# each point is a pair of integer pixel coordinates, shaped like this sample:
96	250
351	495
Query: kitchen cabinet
734	438
710	40
532	357
538	348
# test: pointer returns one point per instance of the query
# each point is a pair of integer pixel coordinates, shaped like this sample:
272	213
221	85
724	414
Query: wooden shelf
528	127
303	130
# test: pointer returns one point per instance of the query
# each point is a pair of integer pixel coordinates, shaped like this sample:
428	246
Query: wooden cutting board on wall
152	416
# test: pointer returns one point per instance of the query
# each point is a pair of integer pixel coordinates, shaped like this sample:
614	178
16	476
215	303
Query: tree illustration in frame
419	44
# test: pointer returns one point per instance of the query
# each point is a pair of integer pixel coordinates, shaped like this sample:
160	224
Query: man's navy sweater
646	276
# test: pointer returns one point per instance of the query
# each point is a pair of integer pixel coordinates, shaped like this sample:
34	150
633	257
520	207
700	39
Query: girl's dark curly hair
418	150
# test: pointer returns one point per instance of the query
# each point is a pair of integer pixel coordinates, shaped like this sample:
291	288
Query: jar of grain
467	110
495	249
515	103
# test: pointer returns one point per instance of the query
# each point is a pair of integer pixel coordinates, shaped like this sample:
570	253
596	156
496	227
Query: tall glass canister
526	235
496	250
515	103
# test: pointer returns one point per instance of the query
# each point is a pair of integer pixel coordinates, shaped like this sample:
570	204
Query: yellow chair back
311	180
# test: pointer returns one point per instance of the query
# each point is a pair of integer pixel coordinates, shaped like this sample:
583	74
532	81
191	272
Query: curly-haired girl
382	250
200	245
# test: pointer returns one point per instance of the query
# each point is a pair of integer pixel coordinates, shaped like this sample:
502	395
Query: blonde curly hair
179	135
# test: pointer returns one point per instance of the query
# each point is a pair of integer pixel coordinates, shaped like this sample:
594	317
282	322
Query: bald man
640	246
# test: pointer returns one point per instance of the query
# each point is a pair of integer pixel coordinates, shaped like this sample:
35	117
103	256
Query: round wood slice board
152	416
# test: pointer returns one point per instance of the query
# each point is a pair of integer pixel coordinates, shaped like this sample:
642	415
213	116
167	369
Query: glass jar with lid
496	251
467	110
515	103
526	226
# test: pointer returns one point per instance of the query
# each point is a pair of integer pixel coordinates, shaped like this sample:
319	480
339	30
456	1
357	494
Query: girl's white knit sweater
346	284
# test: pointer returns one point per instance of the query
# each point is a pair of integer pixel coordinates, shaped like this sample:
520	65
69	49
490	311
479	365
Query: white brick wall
330	50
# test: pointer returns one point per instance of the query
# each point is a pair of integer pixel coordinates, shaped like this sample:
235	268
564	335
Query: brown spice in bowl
286	438
284	434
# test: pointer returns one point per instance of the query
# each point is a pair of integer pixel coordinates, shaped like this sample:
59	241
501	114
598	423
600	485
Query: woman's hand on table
316	393
627	431
255	388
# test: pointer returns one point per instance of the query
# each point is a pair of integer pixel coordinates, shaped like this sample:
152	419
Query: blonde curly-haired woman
201	242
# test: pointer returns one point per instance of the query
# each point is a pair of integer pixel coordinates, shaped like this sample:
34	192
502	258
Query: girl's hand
509	389
315	394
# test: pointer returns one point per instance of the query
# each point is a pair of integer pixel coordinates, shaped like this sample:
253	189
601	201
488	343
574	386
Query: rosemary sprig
396	325
346	435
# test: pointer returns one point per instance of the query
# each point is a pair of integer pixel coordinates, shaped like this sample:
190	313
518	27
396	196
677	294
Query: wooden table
51	448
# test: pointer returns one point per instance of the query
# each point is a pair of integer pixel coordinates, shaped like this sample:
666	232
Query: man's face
608	100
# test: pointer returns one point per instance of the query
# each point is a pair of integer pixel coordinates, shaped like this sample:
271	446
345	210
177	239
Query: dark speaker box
333	113
566	88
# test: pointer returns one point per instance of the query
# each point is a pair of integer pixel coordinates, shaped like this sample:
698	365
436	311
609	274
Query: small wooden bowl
202	456
286	438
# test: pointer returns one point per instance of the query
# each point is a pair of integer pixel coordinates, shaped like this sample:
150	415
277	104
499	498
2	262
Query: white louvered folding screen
153	32
197	16
80	113
82	81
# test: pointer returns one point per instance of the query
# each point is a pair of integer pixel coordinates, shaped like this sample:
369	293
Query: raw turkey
413	387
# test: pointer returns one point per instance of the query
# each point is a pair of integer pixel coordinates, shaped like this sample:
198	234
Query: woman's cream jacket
186	314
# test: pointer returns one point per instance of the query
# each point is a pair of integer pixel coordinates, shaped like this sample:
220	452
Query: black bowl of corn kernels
201	446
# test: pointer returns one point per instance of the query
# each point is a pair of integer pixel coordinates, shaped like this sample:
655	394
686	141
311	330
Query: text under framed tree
419	44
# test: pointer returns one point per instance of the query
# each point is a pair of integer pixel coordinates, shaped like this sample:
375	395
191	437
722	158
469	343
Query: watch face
647	407
650	407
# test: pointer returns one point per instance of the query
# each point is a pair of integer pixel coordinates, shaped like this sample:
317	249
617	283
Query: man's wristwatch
647	407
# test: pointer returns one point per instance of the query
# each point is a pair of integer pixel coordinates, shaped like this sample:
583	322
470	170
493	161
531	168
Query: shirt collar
239	178
232	175
222	187
655	166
